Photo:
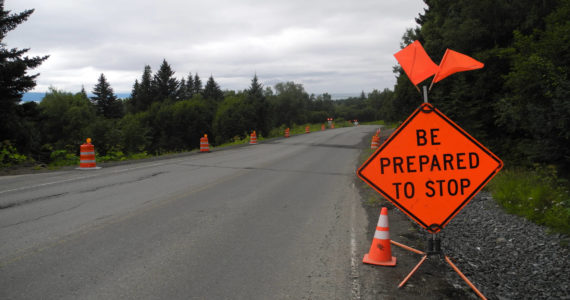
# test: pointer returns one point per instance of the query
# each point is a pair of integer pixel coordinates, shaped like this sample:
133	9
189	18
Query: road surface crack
13	204
43	216
122	183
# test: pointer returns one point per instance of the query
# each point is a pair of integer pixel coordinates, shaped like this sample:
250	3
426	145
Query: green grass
300	129
538	195
238	141
379	122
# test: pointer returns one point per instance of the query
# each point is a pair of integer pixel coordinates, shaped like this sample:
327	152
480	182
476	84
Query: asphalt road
277	220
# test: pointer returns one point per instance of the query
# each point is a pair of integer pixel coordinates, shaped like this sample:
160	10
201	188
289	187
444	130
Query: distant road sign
430	168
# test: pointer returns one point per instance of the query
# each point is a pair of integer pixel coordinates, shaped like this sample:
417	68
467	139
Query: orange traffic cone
204	145
253	138
380	251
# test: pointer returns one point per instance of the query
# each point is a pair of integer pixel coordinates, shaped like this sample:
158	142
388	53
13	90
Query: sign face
430	168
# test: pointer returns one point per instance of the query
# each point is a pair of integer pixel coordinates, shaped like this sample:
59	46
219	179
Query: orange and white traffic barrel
307	129
204	145
375	142
287	132
87	156
253	138
322	127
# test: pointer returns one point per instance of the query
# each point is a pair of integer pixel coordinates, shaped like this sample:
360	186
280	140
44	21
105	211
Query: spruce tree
132	102
197	85
190	86
83	93
145	95
256	88
14	80
164	84
259	105
141	95
182	90
105	100
212	91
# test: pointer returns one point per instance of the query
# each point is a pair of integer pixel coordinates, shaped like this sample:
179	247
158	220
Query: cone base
388	263
88	168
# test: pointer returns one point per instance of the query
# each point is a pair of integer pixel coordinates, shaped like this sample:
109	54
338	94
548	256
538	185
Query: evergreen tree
165	85
212	90
197	85
256	99
189	86
256	88
182	90
83	93
141	95
105	100
186	88
14	80
145	92
131	103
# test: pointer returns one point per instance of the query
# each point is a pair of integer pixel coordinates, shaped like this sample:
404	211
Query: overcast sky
333	46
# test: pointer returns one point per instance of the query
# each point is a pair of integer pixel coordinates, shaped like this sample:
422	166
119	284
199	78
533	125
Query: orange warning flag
453	62
416	63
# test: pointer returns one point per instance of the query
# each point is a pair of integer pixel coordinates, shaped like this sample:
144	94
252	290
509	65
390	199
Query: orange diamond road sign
430	168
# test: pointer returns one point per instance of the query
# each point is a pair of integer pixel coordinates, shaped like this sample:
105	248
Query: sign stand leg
464	278
434	248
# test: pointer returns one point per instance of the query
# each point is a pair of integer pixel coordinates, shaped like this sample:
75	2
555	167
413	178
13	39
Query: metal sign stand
434	248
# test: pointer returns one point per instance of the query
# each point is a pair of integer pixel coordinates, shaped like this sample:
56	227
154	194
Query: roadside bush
9	156
60	158
112	156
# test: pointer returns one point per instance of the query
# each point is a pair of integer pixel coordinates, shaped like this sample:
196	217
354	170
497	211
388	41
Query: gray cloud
328	46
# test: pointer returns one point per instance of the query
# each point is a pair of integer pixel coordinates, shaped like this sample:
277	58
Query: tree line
165	114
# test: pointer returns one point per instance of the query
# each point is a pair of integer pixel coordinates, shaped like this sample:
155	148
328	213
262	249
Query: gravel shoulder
504	256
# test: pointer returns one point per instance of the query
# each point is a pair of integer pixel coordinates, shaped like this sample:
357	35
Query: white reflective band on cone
382	235
383	222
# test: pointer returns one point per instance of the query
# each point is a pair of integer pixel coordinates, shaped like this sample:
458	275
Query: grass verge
538	195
